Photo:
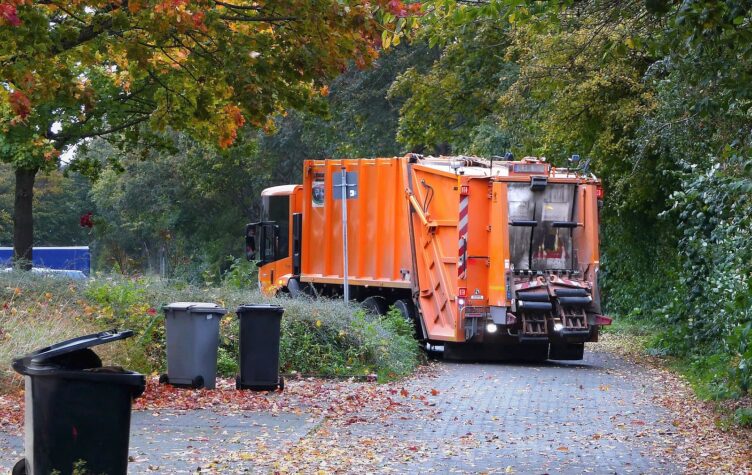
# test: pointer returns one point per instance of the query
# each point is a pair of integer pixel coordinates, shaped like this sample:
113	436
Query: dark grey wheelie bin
192	330
77	412
259	347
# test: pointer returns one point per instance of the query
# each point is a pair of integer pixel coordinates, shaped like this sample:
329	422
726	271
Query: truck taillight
462	292
599	192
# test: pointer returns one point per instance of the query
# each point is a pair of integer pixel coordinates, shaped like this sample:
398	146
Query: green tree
76	70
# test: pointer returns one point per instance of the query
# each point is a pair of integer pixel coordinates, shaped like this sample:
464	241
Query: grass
319	337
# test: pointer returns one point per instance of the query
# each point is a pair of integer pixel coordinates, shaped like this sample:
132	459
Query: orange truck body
500	257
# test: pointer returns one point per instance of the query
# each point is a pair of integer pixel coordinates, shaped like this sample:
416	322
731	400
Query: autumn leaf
20	104
404	392
434	392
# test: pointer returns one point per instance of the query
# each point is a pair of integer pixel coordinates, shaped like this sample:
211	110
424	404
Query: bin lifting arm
431	225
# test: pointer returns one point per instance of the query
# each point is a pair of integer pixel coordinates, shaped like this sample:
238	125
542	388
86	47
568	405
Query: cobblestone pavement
594	416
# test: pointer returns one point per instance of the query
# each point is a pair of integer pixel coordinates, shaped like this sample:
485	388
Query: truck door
268	241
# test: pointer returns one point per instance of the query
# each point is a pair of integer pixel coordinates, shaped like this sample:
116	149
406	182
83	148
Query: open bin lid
36	359
195	307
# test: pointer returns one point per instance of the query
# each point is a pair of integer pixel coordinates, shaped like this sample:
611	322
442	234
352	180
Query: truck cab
273	241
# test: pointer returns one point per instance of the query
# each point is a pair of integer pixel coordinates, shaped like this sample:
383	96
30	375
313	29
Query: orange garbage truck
488	258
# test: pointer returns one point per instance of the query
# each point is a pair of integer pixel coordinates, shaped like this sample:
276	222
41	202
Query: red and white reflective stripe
462	260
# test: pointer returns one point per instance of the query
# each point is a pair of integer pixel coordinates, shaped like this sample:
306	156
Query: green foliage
241	275
227	362
338	340
453	102
320	337
743	417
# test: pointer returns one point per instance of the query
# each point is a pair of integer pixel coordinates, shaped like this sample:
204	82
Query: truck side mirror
250	241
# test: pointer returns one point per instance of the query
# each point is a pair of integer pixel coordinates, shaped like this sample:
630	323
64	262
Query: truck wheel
19	468
375	304
407	309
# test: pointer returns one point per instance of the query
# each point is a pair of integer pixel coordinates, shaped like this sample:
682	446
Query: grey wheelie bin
259	347
192	330
78	413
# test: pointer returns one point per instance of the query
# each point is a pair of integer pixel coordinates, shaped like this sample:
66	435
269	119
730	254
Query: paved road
596	416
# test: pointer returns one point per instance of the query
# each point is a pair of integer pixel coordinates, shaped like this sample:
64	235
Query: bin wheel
19	468
281	384
237	382
198	382
163	379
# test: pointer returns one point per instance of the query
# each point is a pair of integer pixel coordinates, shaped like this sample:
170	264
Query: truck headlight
491	328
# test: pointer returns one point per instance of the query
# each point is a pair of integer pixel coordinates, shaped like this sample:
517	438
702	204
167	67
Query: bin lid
37	358
259	307
198	307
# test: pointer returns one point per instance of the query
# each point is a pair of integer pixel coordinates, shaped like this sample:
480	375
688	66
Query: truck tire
407	309
19	468
375	304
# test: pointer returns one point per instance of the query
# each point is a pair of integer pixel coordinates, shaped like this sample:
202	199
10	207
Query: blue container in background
73	258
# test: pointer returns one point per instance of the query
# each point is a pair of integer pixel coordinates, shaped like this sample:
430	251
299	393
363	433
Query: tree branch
265	19
66	139
237	7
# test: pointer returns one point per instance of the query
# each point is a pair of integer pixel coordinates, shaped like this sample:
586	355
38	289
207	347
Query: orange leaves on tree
198	20
400	10
134	6
51	155
20	104
229	131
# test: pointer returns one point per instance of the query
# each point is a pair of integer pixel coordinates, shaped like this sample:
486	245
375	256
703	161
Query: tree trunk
23	218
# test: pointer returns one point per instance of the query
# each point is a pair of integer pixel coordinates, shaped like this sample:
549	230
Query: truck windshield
537	244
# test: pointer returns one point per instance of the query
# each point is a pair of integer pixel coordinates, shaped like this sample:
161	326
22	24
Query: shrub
321	337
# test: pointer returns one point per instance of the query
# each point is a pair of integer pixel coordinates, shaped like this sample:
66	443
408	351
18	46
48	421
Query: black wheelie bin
192	330
78	413
259	347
